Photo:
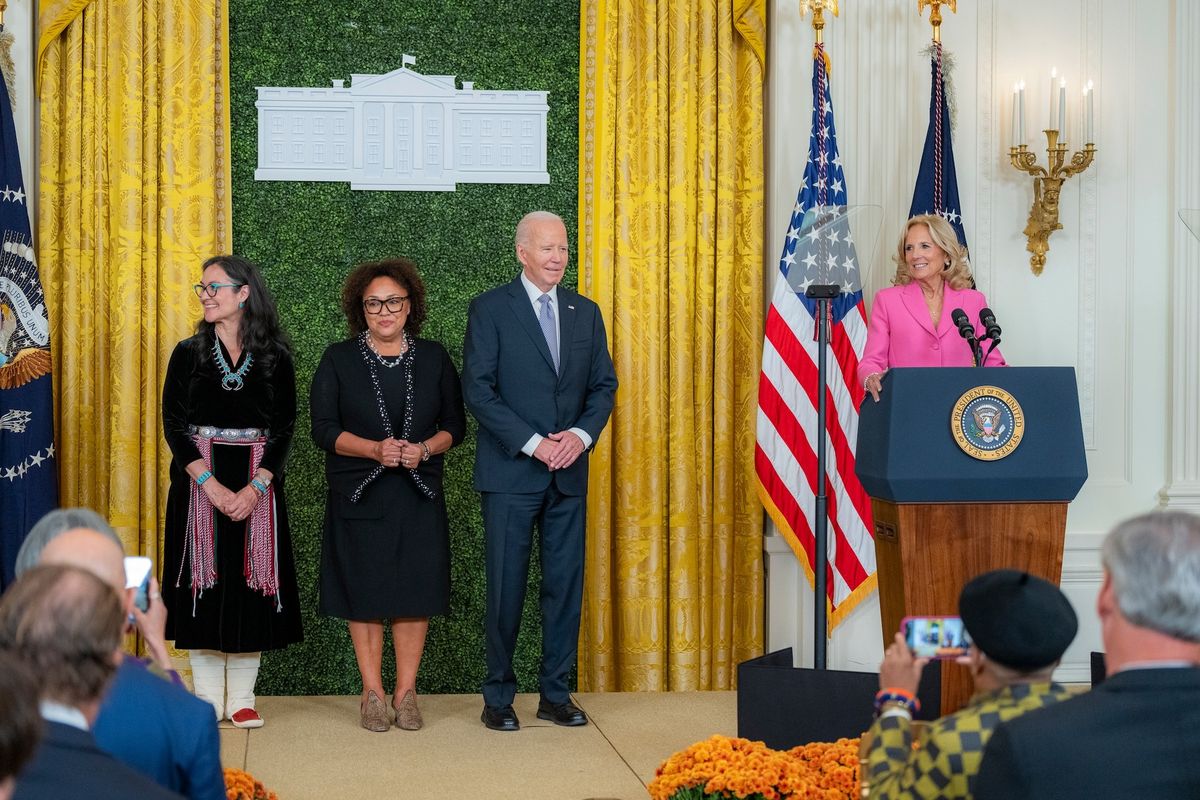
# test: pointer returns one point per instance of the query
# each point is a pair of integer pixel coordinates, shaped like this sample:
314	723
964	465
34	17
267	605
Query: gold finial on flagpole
935	15
818	8
3	8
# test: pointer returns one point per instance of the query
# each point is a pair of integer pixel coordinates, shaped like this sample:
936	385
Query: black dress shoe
500	719
566	713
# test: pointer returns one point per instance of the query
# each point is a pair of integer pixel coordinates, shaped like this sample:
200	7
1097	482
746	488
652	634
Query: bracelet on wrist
203	476
899	697
259	487
425	456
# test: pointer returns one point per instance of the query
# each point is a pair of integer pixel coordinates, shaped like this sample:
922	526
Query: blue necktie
549	329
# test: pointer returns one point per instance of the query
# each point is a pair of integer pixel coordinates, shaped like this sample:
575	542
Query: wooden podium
943	516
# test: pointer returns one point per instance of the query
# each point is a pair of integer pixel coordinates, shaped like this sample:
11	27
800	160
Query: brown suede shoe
374	714
408	716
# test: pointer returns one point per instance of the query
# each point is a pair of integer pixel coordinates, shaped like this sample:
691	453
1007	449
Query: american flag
936	190
818	249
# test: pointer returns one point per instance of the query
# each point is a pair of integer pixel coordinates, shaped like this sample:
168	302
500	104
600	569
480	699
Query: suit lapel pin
572	308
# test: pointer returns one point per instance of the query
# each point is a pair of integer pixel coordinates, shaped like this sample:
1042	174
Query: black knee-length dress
386	547
228	616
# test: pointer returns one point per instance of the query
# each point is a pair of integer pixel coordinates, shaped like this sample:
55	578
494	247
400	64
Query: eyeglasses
395	304
211	289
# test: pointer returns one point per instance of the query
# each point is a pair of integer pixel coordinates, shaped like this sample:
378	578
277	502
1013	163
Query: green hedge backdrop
306	237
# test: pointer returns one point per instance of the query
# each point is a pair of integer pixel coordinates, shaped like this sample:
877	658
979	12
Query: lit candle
1062	109
1091	120
1021	114
1016	91
1053	94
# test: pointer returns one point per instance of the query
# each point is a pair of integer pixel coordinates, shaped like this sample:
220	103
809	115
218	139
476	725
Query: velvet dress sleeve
281	415
175	405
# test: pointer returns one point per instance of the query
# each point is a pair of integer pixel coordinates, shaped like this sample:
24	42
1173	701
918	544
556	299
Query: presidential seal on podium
987	423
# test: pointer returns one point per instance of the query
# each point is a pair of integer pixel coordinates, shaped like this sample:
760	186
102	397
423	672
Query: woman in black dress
229	409
385	407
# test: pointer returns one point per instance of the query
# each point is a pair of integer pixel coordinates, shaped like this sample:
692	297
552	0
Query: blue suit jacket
162	731
67	765
510	386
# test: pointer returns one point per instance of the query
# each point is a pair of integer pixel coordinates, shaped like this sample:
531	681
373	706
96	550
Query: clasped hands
236	505
559	450
399	453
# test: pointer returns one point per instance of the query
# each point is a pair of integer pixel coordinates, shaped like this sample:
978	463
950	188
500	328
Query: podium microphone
992	331
967	331
988	320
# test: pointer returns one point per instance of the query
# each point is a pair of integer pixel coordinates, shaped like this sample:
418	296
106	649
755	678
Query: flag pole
935	14
823	294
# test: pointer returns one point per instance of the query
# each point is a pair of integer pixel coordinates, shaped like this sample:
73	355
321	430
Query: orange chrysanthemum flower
240	785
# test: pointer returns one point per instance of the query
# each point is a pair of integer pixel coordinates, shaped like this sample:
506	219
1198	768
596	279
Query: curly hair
259	330
957	274
67	625
403	272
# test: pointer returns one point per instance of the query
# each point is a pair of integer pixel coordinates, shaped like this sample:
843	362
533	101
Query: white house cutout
402	131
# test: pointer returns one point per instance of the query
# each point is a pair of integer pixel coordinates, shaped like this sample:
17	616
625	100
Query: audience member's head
1019	625
77	537
20	723
1149	604
66	625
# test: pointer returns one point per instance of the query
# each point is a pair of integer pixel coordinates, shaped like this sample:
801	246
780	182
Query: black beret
1017	619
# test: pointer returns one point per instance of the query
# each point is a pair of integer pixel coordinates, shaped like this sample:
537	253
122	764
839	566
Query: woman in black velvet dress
385	407
229	410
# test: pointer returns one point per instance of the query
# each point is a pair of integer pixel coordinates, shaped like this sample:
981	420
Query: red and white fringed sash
261	568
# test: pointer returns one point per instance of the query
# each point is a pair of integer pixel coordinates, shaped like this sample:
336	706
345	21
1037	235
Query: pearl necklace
230	381
394	361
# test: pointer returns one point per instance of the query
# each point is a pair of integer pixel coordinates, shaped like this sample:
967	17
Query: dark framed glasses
211	289
394	304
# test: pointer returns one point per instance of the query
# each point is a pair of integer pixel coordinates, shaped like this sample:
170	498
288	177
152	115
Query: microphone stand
823	294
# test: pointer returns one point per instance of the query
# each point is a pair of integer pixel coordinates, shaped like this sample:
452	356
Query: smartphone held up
138	570
935	637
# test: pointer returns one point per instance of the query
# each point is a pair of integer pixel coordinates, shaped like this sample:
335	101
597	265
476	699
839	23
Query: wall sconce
1048	180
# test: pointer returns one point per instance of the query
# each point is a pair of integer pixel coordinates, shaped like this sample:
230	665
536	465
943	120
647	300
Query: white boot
241	673
208	678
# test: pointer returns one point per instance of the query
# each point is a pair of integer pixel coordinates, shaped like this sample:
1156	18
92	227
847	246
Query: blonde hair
957	274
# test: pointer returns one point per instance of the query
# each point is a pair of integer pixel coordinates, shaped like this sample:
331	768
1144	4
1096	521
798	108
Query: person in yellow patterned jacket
1019	626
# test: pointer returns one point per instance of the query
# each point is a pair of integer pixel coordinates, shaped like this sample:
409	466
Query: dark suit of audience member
1137	735
68	764
541	383
163	731
66	626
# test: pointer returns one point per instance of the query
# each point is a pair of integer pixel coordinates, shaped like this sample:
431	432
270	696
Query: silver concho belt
228	434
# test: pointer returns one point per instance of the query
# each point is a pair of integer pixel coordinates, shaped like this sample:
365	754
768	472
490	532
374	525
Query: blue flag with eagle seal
936	190
28	468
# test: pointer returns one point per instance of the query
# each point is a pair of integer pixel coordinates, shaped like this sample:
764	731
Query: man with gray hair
1138	733
66	625
146	721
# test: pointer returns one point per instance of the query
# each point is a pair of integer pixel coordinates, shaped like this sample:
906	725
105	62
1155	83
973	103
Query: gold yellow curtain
133	195
671	247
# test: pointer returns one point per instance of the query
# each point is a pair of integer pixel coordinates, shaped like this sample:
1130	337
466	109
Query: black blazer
1137	735
68	764
510	386
343	399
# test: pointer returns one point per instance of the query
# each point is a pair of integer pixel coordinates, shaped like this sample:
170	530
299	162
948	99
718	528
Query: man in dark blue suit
1137	734
147	720
538	377
66	625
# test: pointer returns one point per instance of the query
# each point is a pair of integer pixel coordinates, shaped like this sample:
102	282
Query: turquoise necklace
230	381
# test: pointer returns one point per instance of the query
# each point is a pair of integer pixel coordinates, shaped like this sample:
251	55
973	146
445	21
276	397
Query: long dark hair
260	331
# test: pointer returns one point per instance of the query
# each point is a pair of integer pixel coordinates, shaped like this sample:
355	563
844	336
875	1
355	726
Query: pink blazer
902	335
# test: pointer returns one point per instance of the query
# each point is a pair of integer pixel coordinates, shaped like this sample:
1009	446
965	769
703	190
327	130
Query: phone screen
935	637
137	575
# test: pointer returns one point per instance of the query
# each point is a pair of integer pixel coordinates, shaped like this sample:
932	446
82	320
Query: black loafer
566	713
500	719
